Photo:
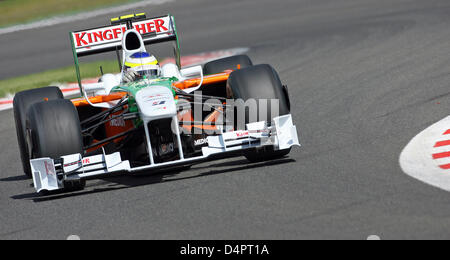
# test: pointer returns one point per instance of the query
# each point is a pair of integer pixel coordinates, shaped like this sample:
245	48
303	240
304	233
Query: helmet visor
147	71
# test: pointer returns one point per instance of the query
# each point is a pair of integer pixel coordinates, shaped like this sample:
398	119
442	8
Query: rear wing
109	38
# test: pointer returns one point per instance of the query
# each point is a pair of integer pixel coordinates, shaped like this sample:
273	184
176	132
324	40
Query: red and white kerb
441	151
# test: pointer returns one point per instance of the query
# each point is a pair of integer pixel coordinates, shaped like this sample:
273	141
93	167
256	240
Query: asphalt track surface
365	77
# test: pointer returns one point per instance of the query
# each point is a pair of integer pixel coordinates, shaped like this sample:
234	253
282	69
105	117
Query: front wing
51	175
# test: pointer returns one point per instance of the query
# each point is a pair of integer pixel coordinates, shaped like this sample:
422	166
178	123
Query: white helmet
144	64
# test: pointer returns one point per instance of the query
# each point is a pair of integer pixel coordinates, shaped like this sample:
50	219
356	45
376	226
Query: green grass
23	11
62	75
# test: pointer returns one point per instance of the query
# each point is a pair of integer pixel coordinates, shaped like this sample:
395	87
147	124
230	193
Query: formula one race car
148	117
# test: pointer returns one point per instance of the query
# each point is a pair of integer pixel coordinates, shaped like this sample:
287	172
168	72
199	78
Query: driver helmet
143	63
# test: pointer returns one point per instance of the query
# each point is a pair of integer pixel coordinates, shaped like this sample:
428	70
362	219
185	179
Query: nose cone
156	103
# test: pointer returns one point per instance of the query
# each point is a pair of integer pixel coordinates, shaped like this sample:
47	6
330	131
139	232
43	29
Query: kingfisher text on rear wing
105	39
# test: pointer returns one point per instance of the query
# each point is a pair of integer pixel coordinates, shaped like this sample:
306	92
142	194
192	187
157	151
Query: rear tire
260	82
230	63
22	102
55	131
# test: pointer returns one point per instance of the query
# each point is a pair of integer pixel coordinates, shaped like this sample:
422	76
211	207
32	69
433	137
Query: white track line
441	149
417	160
442	161
440	138
78	17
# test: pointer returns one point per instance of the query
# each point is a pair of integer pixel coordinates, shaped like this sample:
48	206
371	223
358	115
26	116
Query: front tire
260	82
22	102
55	131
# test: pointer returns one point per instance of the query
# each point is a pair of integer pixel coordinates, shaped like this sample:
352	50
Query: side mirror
191	72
